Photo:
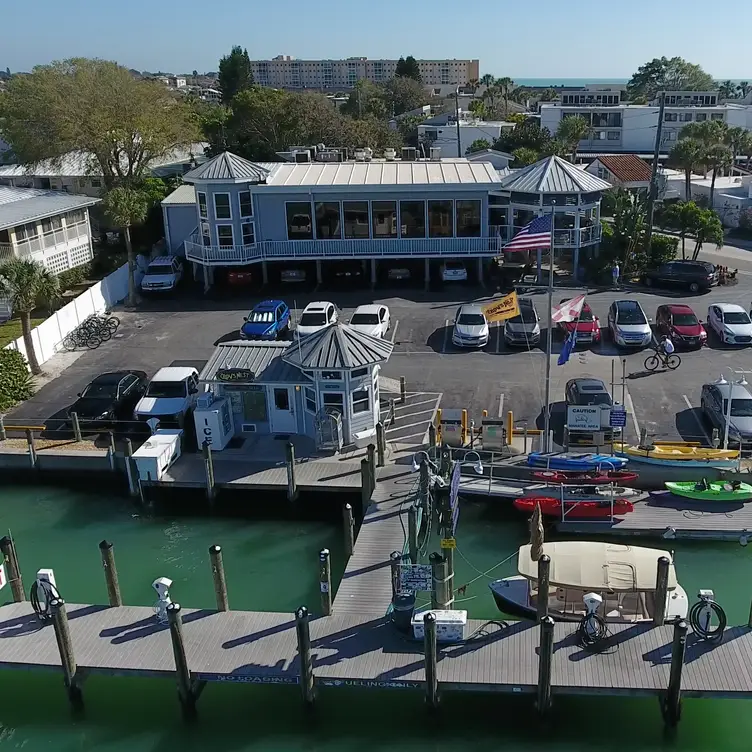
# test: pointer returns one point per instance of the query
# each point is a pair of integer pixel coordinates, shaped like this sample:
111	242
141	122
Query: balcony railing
52	238
6	252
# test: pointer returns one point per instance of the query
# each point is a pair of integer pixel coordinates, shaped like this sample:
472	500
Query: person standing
615	272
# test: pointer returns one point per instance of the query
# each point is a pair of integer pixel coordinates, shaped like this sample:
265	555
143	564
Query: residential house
441	131
623	171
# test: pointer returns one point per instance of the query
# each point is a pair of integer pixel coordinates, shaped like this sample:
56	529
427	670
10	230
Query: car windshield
472	319
735	318
159	269
601	398
261	317
168	389
526	316
586	315
101	391
740	408
365	318
685	319
313	319
454	265
631	315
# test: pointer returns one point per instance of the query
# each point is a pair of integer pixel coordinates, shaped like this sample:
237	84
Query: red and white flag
569	310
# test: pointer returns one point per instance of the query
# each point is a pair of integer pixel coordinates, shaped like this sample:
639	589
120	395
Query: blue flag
566	351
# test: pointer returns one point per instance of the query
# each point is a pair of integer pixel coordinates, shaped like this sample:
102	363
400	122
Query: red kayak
597	477
575	509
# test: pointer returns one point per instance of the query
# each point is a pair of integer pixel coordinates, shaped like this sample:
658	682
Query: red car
588	326
678	321
240	276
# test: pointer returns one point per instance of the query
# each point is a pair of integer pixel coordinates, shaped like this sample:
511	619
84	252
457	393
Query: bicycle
92	332
654	361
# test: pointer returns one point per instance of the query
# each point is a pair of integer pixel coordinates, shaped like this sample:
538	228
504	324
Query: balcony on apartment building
563	238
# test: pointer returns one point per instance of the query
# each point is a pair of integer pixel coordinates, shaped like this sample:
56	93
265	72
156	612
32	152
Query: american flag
536	234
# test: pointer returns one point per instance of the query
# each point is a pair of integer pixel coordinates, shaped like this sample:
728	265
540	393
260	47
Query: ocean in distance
582	81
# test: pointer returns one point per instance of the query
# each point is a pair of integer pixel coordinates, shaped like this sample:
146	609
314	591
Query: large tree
97	108
687	155
712	134
402	94
480	144
28	284
366	98
234	74
524	157
571	131
408	67
667	74
529	135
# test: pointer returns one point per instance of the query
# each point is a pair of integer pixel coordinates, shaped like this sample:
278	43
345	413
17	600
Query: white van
170	396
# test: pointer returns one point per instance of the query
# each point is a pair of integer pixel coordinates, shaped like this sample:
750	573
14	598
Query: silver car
523	330
714	403
470	327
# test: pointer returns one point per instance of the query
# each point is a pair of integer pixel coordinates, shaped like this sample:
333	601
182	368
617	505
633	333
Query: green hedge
15	380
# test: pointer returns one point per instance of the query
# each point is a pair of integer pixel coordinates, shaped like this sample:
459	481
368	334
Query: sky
545	39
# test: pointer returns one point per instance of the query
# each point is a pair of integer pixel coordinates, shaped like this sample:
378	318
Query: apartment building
286	72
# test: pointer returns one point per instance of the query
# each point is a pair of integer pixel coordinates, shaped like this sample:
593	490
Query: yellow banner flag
504	308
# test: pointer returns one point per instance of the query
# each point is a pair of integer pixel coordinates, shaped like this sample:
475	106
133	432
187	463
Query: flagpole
549	340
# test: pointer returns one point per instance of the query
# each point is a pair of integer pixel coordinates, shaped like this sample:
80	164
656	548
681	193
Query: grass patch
11	329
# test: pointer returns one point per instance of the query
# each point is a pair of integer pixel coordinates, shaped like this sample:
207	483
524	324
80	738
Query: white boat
623	576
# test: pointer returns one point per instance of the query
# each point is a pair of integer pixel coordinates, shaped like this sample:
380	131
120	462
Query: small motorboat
623	576
573	461
721	490
595	477
576	508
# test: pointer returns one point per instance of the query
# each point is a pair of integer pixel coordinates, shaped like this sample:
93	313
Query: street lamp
478	466
432	467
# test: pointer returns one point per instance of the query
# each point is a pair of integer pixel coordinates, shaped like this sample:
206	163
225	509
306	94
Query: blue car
270	319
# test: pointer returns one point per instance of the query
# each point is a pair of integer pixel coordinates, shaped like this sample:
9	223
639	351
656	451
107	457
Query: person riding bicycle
666	347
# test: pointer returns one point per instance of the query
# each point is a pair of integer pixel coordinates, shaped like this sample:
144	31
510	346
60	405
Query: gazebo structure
551	184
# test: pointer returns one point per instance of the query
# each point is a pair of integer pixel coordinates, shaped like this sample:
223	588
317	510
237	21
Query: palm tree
683	217
743	88
487	80
736	139
719	158
571	131
687	155
29	285
727	90
712	135
127	207
505	84
708	229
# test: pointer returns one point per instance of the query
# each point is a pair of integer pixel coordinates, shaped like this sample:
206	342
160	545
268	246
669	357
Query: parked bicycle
91	332
657	359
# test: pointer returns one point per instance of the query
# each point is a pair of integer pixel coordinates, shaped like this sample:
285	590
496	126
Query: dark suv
696	276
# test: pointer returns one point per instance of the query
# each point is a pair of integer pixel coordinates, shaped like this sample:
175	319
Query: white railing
52	238
6	252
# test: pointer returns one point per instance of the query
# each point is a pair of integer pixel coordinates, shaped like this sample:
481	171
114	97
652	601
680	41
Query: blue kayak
566	461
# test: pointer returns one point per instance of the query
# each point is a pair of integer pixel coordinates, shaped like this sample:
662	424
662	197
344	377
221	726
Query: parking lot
186	328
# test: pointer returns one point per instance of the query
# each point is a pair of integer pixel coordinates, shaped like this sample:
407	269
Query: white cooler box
155	456
451	626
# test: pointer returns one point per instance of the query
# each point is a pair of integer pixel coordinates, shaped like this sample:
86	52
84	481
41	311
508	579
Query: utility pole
652	193
457	114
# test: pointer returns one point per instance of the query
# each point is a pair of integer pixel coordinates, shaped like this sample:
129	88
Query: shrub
16	383
662	250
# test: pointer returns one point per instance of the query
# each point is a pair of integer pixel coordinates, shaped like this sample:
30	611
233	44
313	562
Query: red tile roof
629	168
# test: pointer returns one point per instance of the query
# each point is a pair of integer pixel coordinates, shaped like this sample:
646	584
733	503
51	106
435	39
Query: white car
470	327
731	323
170	396
371	319
453	271
316	316
163	273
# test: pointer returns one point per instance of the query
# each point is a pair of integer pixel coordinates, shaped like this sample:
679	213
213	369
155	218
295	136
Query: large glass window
202	210
384	219
299	224
360	400
468	219
328	224
249	236
413	219
224	236
440	220
205	233
222	208
246	205
356	219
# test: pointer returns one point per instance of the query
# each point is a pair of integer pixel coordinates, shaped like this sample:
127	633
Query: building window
26	232
358	373
614	135
360	401
468	219
384	214
202	210
224	236
334	401
205	233
328	225
299	224
701	116
356	219
331	375
440	220
96	183
249	236
246	205
222	208
716	116
52	223
670	117
413	219
282	398
685	117
310	399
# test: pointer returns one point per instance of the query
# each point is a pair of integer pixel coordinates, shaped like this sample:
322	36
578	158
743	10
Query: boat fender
743	538
669	533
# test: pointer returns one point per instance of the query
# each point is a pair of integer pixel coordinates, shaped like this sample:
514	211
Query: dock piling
365	485
325	581
12	570
3	433
111	450
432	436
395	561
381	443
403	390
661	590
292	486
544	583
182	672
302	627
371	455
32	448
110	573
348	520
218	575
211	490
129	470
671	704
76	424
412	532
431	657
65	648
545	663
441	597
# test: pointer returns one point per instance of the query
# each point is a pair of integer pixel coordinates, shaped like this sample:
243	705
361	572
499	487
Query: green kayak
722	490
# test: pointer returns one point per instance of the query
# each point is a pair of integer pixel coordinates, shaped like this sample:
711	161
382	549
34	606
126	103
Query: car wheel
694	287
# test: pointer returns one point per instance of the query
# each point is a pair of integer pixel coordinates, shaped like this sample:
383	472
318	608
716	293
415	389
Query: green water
61	529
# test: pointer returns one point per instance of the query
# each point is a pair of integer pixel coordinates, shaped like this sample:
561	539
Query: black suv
696	276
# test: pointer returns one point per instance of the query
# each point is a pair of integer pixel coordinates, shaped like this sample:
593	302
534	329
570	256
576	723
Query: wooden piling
133	485
348	520
431	657
412	532
544	583
110	573
381	444
303	630
661	590
182	672
395	561
76	424
65	648
218	575
325	581
365	485
32	448
403	390
371	455
671	704
111	451
431	436
3	433
441	596
292	486
545	663
12	570
211	490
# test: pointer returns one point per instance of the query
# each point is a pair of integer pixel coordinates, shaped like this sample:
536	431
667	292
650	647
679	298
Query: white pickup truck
170	396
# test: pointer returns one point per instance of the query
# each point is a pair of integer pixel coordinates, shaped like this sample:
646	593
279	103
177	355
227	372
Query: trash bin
403	607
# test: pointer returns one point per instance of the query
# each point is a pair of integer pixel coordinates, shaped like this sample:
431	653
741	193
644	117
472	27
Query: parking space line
630	409
417	412
402	439
414	404
446	335
409	425
394	331
697	419
501	404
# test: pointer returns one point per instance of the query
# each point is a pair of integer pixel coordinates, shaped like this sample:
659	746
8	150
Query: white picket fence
48	336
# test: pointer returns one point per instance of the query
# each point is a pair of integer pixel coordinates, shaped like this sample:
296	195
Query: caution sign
504	308
448	543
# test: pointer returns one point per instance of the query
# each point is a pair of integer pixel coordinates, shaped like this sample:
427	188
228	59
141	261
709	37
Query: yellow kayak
680	452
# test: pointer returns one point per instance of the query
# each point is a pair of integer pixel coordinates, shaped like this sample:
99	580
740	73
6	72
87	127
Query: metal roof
338	346
228	167
183	194
263	358
20	205
553	175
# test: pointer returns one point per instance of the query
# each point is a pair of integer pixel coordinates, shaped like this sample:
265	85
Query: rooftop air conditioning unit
360	155
368	151
390	154
436	154
327	155
302	156
409	154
